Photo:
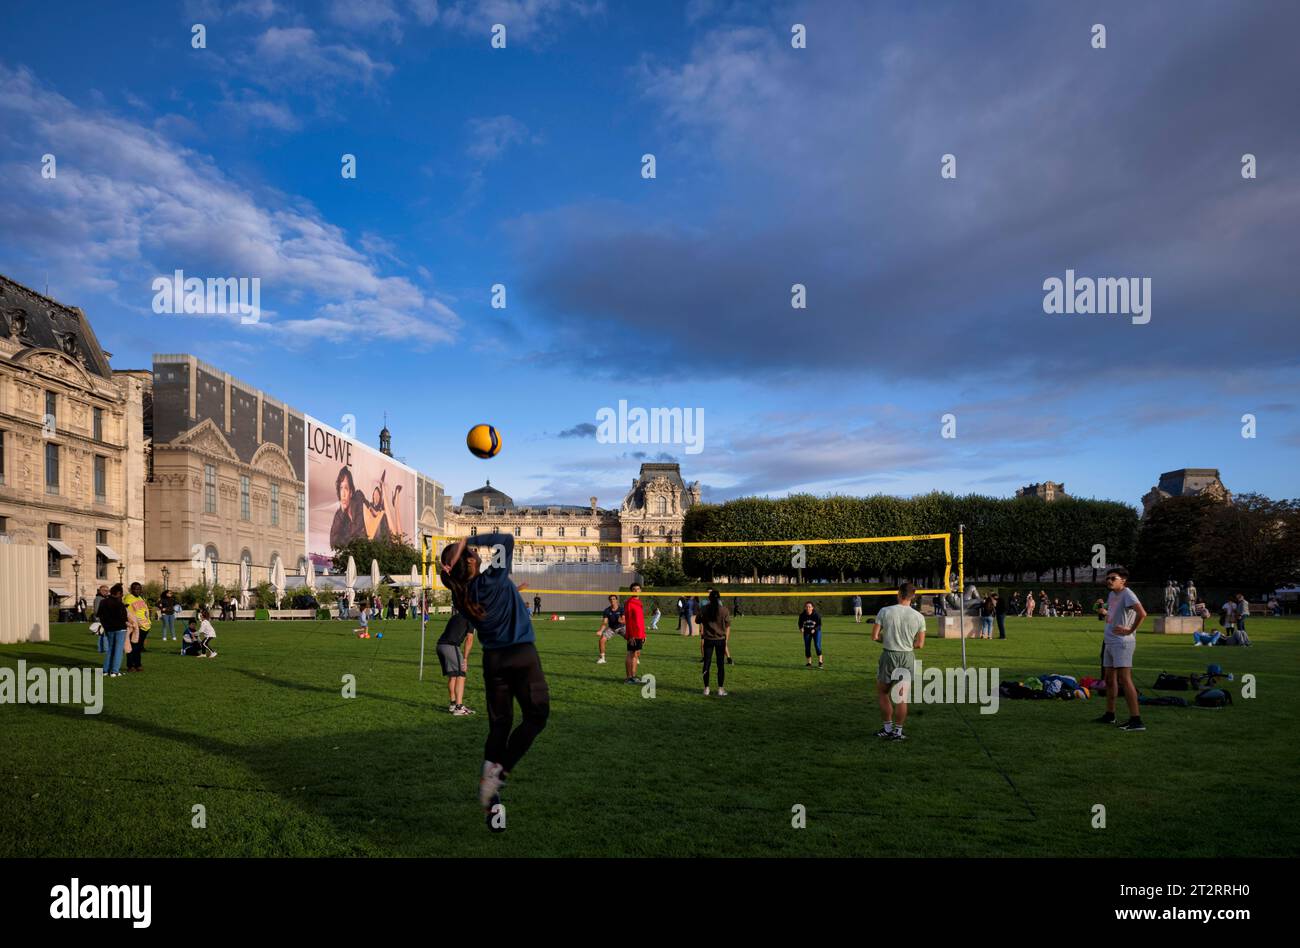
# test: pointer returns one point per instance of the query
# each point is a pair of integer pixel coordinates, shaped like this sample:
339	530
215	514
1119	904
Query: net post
961	588
425	543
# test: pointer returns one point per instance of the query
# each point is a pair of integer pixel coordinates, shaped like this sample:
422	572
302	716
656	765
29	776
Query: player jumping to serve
512	669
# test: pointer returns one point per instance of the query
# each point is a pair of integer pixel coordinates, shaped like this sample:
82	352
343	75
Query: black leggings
510	674
719	646
137	650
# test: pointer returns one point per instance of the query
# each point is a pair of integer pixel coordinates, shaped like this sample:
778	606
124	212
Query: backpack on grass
1213	698
1168	682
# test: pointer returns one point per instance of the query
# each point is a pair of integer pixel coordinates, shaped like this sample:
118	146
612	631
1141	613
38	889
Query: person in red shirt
634	632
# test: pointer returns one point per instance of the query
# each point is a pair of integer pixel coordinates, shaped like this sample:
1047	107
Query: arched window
210	551
302	566
661	506
246	567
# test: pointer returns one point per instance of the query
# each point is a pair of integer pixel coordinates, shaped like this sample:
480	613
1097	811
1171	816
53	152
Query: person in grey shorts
900	629
453	652
1124	613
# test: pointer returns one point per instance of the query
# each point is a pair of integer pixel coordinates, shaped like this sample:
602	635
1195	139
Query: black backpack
1168	682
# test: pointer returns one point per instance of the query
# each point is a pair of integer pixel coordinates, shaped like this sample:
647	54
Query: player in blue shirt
512	669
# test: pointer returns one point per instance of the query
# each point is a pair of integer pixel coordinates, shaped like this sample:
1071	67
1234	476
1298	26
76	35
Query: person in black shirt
113	617
810	623
1000	610
611	624
453	652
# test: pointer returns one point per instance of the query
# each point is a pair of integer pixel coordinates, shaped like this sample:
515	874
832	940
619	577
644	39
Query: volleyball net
839	566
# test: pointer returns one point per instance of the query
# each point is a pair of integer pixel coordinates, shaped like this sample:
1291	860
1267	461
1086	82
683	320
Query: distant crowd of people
1042	605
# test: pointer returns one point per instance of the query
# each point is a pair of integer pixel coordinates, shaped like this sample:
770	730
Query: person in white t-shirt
207	633
1124	613
1229	616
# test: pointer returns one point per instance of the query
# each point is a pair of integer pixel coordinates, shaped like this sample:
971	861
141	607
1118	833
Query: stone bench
1177	625
292	613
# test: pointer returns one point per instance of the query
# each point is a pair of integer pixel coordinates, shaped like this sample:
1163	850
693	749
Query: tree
395	555
662	570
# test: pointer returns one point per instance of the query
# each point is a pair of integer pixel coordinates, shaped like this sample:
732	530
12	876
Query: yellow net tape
430	574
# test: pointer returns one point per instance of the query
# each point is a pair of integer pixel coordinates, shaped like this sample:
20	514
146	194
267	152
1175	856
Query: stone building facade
73	446
654	509
1048	490
1186	482
228	480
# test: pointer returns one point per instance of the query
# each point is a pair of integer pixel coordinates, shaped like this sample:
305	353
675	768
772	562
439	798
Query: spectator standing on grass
1030	604
115	619
1000	612
715	633
140	623
537	605
810	624
167	606
1243	611
986	618
688	613
857	609
654	618
101	594
1124	613
1228	615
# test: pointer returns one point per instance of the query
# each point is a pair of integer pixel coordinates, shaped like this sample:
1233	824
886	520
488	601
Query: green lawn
284	765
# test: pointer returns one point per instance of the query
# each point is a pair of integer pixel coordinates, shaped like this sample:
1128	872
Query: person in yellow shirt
137	609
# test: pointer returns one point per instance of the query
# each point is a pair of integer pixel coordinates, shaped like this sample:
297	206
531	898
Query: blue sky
775	166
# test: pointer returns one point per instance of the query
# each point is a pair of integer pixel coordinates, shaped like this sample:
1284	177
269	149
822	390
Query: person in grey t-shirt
1124	613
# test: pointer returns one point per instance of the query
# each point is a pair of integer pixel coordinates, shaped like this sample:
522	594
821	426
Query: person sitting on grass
190	640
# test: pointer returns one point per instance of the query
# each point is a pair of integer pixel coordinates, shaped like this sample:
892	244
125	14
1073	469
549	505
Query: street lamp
121	571
166	572
76	573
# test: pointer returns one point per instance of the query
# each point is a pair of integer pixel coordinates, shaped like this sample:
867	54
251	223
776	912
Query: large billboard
353	491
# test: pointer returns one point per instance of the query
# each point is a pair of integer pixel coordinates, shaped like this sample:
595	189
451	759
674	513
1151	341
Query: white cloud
130	203
489	137
523	19
370	15
296	55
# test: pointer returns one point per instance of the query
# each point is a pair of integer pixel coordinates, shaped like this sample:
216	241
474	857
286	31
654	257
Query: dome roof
497	499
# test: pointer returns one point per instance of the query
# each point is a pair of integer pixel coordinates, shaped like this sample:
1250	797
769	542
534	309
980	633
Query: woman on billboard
349	519
383	522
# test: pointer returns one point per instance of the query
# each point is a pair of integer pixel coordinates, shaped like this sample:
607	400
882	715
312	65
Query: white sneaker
706	692
1196	644
490	784
722	692
601	660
